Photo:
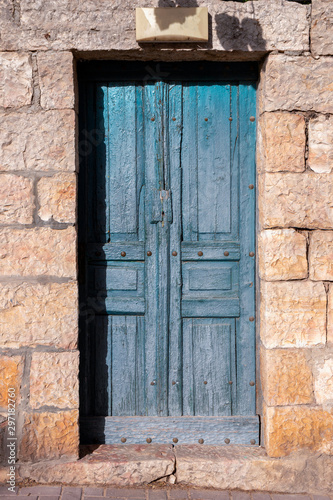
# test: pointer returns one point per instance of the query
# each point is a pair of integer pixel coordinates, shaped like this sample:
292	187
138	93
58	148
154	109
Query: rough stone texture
33	314
57	198
321	27
16	199
3	435
292	314
281	145
296	200
11	370
246	468
330	315
15	80
292	428
54	380
286	377
84	26
323	378
56	79
297	83
321	255
321	144
38	252
38	141
49	436
282	255
115	465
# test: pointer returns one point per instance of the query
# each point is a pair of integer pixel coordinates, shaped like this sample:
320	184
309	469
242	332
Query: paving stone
209	495
90	492
260	496
125	493
290	497
157	495
320	497
69	493
178	494
93	498
240	495
48	497
4	490
41	490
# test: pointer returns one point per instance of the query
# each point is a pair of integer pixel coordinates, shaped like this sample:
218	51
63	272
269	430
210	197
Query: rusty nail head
153	119
251	318
173	119
149	253
253	441
226	254
251	186
153	382
230	119
251	254
230	382
227	440
148	440
123	254
252	383
252	118
205	382
200	253
123	440
173	382
201	441
175	440
206	119
174	254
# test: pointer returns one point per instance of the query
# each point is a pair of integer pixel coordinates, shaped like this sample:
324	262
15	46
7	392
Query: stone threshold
197	466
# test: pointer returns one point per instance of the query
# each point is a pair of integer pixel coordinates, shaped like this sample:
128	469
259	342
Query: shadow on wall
239	35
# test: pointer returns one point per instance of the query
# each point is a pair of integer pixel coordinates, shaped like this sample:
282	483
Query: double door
167	253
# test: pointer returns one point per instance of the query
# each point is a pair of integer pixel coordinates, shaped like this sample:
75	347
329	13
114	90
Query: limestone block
323	378
282	142
330	316
321	255
293	428
297	83
296	200
38	252
292	314
286	377
33	314
321	144
15	79
11	370
16	199
115	465
85	25
57	198
40	141
56	79
54	380
49	436
282	255
321	27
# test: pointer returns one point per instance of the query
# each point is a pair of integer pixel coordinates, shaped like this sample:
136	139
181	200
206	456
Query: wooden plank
189	162
211	308
245	347
112	252
122	153
123	365
101	187
102	353
188	430
174	124
116	305
214	181
210	250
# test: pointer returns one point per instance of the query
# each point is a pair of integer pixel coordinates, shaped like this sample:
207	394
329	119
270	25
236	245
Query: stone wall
39	42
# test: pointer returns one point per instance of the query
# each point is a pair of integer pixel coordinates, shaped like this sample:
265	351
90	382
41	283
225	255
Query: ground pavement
175	493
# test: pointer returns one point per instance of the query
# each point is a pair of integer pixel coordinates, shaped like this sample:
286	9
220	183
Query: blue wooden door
167	239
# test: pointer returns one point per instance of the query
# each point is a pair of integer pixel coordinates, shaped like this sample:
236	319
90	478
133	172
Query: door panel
166	230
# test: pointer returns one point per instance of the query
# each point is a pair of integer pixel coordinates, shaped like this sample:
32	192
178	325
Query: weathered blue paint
167	223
